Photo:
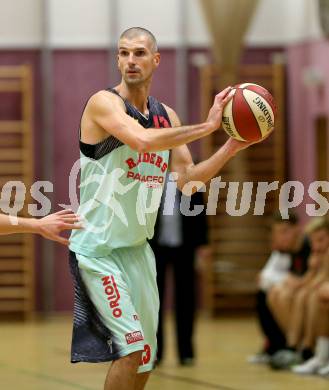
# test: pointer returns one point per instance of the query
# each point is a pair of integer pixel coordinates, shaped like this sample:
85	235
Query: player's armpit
181	162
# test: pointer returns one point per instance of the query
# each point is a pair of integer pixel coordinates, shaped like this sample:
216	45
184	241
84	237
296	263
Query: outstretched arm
182	163
107	111
49	227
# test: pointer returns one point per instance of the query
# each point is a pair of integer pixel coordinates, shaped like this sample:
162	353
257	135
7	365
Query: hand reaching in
52	225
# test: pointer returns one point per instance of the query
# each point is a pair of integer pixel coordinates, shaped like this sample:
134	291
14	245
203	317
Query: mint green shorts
122	288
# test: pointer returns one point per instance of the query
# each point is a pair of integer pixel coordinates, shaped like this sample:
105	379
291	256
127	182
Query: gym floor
35	356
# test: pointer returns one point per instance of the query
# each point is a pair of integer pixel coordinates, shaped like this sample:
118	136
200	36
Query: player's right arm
107	111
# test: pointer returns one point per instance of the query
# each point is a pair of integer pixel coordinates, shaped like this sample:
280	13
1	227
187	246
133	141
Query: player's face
319	241
136	60
284	236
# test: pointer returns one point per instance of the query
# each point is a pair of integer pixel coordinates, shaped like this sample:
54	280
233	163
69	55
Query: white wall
282	22
79	23
159	16
87	23
20	23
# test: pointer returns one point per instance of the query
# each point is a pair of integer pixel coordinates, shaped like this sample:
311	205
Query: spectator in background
293	301
323	340
177	238
317	323
289	253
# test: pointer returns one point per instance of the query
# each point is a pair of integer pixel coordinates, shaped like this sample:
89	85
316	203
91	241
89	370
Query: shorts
116	306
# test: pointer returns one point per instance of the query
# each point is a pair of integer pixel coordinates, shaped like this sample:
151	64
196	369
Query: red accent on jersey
164	121
160	121
156	121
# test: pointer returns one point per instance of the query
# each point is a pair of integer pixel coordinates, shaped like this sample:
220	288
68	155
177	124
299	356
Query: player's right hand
216	112
52	225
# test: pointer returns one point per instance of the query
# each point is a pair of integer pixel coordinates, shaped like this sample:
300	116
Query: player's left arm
182	163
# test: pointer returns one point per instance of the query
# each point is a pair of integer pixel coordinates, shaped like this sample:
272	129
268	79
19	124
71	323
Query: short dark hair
135	31
292	218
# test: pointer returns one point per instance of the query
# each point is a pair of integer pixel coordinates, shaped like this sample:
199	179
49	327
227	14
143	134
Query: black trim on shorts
92	341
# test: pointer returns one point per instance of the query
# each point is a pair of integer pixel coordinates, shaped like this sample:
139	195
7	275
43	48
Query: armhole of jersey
100	149
84	108
112	90
168	119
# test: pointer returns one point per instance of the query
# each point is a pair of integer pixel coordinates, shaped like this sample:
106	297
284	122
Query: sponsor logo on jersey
151	159
113	295
133	337
152	181
148	158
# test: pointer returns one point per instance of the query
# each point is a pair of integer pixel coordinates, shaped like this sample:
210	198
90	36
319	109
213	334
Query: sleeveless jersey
120	189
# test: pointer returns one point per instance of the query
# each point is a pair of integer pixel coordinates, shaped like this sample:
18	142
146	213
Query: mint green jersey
120	190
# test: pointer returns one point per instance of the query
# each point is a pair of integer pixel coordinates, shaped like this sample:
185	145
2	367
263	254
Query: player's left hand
52	225
237	145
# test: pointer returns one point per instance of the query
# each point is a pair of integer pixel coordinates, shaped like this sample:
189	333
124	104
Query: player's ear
156	60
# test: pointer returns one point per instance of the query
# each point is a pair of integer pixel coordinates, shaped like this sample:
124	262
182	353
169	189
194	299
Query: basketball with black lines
250	114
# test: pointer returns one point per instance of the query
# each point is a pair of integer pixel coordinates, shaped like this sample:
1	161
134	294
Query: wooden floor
35	356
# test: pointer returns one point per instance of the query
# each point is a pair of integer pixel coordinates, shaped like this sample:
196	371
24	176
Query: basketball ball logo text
226	122
258	101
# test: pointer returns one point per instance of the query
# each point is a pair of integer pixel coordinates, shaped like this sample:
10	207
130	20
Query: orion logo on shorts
133	337
113	295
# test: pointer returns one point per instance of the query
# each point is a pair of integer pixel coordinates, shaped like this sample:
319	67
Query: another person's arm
49	227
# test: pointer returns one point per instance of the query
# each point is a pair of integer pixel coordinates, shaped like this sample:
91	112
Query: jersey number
146	356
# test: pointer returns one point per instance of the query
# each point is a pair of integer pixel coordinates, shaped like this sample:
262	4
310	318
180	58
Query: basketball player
125	140
49	227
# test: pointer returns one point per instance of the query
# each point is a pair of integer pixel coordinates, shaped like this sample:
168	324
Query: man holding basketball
125	140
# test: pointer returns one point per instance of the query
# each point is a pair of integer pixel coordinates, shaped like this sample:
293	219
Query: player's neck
136	95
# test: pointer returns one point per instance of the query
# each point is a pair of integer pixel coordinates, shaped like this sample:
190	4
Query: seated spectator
294	301
288	248
317	323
